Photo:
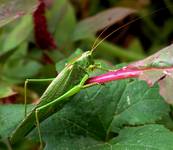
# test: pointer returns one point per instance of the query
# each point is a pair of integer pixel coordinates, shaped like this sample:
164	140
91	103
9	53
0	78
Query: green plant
119	114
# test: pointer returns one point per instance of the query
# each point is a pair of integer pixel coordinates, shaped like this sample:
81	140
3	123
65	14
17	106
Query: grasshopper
68	82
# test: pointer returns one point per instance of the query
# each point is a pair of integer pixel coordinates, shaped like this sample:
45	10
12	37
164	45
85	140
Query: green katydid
69	82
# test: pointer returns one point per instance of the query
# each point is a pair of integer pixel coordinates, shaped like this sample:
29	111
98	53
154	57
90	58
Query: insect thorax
85	60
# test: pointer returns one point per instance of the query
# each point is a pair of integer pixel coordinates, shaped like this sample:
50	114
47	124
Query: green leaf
62	20
12	9
136	46
108	49
18	67
95	113
5	91
91	116
150	137
10	116
18	34
136	97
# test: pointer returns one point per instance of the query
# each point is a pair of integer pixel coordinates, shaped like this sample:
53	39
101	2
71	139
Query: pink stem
123	73
115	75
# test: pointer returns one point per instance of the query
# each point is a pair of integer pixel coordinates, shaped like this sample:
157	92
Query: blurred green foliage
144	36
20	58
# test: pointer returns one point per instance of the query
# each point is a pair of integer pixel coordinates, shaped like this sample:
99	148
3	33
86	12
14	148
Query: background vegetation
70	26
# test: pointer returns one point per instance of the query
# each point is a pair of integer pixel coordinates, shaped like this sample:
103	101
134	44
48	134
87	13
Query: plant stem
115	75
108	48
123	73
169	5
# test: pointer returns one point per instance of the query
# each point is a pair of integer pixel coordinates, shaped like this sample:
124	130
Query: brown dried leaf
98	22
12	9
166	87
163	58
158	68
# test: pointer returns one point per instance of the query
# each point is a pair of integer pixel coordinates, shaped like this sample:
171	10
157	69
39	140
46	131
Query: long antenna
123	26
95	42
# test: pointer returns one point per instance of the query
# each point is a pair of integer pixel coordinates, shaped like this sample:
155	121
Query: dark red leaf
43	37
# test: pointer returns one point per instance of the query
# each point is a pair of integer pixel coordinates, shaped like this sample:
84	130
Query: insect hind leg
38	127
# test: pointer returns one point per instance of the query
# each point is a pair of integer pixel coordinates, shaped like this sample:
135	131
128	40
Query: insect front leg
98	66
25	89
